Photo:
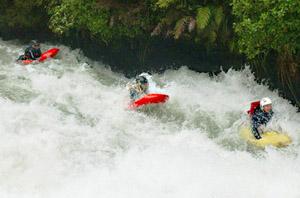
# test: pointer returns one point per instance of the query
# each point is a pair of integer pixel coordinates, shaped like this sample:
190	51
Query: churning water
66	132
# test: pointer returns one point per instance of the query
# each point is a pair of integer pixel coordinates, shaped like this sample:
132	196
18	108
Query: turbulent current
66	132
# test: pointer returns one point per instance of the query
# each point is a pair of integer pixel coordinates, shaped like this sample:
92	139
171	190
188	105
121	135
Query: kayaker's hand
257	137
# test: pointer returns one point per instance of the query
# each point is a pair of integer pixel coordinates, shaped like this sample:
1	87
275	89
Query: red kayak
150	99
48	54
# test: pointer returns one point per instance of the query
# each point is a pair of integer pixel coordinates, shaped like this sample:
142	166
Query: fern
203	17
180	27
219	15
165	3
212	37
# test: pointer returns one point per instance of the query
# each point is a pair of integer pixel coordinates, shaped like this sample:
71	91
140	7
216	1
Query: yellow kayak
271	138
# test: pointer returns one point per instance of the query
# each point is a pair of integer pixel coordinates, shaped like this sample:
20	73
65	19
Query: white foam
66	132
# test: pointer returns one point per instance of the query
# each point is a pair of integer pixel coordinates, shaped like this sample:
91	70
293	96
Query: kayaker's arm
256	123
29	54
32	53
39	53
256	133
32	56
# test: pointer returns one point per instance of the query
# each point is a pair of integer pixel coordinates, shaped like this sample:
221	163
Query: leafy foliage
108	20
99	18
267	25
260	27
165	3
195	20
180	27
271	27
22	15
203	17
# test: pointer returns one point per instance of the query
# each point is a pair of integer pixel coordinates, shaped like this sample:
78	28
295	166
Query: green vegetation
204	22
104	20
260	27
270	26
267	25
257	29
22	15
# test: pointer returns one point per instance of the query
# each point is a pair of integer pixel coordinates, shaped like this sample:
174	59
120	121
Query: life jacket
31	53
254	105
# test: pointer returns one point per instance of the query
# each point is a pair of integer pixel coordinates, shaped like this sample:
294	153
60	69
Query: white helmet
146	75
265	101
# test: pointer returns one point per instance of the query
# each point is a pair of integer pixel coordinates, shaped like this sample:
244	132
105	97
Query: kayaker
139	87
261	116
32	52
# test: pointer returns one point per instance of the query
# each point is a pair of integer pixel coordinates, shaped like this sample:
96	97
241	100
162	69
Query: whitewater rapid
66	132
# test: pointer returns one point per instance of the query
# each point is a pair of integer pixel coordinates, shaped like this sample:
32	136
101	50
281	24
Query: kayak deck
271	138
153	98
